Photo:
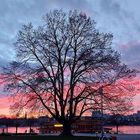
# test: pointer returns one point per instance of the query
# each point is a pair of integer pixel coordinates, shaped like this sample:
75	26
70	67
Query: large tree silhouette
61	66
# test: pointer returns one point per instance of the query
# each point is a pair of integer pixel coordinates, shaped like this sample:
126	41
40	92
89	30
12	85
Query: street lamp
17	115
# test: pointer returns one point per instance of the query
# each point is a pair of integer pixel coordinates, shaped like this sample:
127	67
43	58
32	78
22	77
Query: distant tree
62	64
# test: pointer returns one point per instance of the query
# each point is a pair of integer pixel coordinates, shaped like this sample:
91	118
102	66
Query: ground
91	137
45	138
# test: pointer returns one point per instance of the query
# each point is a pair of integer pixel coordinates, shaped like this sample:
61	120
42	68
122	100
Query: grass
46	138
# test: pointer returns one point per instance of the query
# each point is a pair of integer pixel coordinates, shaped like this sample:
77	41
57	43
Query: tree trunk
66	130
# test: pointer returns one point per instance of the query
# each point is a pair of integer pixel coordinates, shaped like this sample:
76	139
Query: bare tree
62	64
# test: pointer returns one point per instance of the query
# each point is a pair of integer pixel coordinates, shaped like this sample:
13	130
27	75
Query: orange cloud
4	105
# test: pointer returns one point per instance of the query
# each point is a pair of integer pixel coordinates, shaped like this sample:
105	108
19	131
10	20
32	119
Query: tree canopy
62	64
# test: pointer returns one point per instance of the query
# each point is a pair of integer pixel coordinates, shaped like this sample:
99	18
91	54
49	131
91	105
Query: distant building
96	114
138	113
85	124
43	119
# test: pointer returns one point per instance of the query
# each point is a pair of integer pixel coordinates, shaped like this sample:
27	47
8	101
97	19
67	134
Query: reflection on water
127	129
20	129
122	129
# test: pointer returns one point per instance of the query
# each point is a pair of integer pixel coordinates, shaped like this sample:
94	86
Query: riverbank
126	129
119	136
46	138
128	136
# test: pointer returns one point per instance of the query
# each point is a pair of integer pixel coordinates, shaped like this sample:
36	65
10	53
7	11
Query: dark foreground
46	138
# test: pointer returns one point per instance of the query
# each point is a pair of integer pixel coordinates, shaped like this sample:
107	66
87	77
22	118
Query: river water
127	129
19	130
122	129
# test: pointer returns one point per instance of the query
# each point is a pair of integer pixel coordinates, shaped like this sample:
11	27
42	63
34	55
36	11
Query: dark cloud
14	13
120	18
70	4
112	16
131	53
110	7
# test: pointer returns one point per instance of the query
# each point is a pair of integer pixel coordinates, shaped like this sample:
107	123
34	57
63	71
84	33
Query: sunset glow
121	18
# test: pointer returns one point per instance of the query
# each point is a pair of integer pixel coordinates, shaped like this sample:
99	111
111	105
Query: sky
119	17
